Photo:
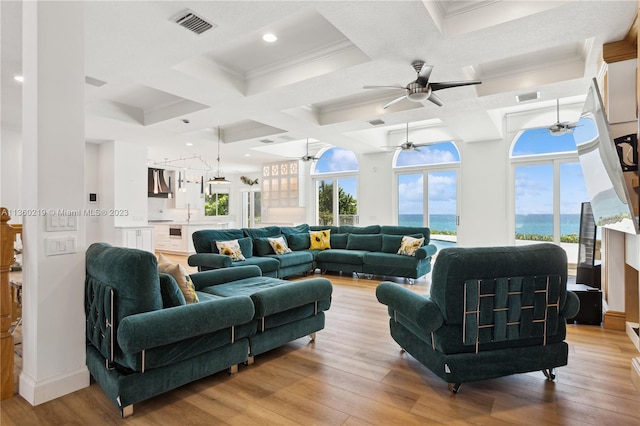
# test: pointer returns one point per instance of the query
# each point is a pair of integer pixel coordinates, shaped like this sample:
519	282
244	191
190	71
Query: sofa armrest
209	260
420	310
221	276
426	251
571	305
162	327
286	296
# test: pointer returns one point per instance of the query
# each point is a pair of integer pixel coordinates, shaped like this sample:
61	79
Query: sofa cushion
409	245
202	239
267	231
406	230
246	246
279	245
320	240
368	242
353	257
299	241
266	264
171	293
179	273
289	230
350	229
230	248
390	259
293	258
391	243
323	227
339	241
262	247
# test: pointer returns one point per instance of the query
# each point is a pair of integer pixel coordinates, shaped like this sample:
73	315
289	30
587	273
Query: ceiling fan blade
436	100
424	74
384	87
449	84
395	101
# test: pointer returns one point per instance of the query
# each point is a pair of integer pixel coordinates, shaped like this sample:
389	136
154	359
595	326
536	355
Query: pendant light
218	180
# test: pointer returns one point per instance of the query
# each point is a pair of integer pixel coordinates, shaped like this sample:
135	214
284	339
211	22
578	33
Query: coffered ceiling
152	81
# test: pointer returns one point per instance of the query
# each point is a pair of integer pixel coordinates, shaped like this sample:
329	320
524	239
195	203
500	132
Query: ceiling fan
308	157
420	89
407	145
561	128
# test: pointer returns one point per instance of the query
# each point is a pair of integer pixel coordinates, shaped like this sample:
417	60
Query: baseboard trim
635	373
615	320
39	392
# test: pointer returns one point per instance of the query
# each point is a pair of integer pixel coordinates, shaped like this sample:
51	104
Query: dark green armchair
491	312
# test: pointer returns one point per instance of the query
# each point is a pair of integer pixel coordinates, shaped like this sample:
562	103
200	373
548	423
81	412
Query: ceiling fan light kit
421	90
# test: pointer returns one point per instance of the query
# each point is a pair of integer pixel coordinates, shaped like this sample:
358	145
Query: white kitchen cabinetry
170	238
139	237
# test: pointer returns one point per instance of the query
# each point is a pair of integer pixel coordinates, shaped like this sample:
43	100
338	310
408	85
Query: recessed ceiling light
189	144
18	78
269	37
247	155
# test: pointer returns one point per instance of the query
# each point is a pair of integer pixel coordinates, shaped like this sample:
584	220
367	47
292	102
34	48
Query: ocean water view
529	224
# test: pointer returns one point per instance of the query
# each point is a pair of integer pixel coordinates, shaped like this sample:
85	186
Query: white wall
11	166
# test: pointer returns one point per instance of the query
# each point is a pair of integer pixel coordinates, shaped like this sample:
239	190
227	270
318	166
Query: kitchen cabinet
176	237
139	237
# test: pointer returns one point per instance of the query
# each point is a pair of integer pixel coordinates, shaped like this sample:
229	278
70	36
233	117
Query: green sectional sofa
143	339
371	250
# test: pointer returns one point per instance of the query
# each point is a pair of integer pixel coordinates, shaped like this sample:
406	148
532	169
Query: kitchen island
175	236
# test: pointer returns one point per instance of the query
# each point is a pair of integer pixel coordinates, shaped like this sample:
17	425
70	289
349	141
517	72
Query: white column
53	179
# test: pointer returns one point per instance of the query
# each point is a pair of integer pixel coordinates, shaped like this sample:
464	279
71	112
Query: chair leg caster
548	373
454	387
126	411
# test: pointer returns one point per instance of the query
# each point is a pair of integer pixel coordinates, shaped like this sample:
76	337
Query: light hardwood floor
355	374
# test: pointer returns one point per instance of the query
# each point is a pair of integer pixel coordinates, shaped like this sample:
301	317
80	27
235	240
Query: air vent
287	138
266	141
94	81
527	96
189	20
376	122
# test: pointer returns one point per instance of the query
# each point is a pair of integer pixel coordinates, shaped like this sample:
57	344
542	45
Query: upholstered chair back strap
513	308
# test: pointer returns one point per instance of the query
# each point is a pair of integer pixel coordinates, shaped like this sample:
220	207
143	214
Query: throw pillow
409	245
320	240
279	245
231	249
179	273
246	247
299	241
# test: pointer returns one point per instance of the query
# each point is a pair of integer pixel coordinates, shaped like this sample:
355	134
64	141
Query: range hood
157	185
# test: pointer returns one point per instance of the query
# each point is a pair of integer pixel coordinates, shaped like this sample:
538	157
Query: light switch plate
61	223
60	245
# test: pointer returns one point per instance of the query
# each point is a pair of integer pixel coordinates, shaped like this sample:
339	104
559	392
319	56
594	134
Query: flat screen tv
610	201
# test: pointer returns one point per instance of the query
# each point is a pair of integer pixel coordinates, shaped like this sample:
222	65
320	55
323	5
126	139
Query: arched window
427	188
336	168
549	188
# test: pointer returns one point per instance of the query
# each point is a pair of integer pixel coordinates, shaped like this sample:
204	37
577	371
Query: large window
427	187
549	187
216	201
336	183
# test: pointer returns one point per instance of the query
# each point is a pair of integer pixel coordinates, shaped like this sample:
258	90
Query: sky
533	184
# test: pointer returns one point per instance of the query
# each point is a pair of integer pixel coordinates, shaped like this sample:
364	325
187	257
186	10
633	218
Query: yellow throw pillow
279	245
320	240
231	249
179	273
409	245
